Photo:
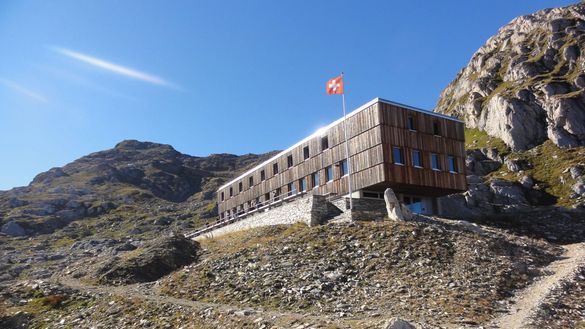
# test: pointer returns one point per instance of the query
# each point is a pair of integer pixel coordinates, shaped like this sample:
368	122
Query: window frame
289	161
315	179
452	160
420	158
262	175
438	162
306	152
343	168
329	174
411	122
400	153
275	168
303	184
324	143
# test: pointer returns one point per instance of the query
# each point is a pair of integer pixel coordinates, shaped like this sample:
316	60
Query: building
419	154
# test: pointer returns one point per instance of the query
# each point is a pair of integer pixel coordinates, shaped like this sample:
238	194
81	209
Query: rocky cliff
526	84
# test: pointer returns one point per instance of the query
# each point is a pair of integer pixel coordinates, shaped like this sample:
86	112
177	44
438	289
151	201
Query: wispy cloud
23	91
114	68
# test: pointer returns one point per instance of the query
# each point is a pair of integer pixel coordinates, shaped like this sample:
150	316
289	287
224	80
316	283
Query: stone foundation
308	209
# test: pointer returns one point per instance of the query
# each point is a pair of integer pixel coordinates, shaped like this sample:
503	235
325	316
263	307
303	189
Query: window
262	175
277	193
267	198
436	128
292	189
251	181
411	123
231	191
303	184
452	164
435	161
329	174
222	196
306	152
289	161
315	179
343	169
324	143
240	187
250	206
275	168
222	215
417	159
258	202
397	153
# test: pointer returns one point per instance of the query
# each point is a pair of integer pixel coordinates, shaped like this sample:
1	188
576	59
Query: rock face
153	261
526	84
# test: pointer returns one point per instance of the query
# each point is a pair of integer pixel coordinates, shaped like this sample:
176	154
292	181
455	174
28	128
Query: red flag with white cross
335	85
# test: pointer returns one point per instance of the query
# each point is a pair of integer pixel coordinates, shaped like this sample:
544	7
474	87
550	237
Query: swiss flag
335	85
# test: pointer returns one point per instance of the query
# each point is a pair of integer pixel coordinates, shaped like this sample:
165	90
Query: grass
475	138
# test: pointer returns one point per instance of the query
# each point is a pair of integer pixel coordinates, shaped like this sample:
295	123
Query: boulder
579	188
150	262
396	210
576	171
517	165
507	193
527	181
14	229
397	323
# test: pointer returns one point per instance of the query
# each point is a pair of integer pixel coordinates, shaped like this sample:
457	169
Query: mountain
135	179
526	84
522	97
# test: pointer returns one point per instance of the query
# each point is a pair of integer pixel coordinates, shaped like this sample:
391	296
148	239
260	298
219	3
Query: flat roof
323	129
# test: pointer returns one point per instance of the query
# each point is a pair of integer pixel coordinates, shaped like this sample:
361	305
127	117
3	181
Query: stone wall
308	209
363	208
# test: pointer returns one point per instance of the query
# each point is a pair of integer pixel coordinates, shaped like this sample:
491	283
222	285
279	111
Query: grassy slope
548	160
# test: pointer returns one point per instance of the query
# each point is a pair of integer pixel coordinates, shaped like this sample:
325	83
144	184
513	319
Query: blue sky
217	76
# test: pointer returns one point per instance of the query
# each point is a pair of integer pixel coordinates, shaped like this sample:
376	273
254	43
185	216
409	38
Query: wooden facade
383	138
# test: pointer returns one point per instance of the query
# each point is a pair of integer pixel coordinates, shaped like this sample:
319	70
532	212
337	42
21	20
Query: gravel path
527	302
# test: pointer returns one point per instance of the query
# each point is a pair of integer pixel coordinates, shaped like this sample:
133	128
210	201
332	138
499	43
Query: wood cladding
373	132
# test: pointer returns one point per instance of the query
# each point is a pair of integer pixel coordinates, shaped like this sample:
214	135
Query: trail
527	302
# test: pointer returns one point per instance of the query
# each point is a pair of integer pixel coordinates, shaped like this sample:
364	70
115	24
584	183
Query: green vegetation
475	139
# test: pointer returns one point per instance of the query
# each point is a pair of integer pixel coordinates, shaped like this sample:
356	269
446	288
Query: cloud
114	68
22	90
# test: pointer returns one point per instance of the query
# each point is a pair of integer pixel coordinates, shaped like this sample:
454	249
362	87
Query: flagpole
347	151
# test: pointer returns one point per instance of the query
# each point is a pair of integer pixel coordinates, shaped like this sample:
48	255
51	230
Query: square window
289	161
435	161
417	159
397	153
306	152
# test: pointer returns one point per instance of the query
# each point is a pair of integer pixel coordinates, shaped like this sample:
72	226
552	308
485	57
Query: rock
396	210
152	261
477	163
397	323
576	171
527	181
163	220
579	188
517	165
507	193
501	90
14	229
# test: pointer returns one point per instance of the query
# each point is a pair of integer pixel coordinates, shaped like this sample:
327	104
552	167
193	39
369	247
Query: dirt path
529	300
